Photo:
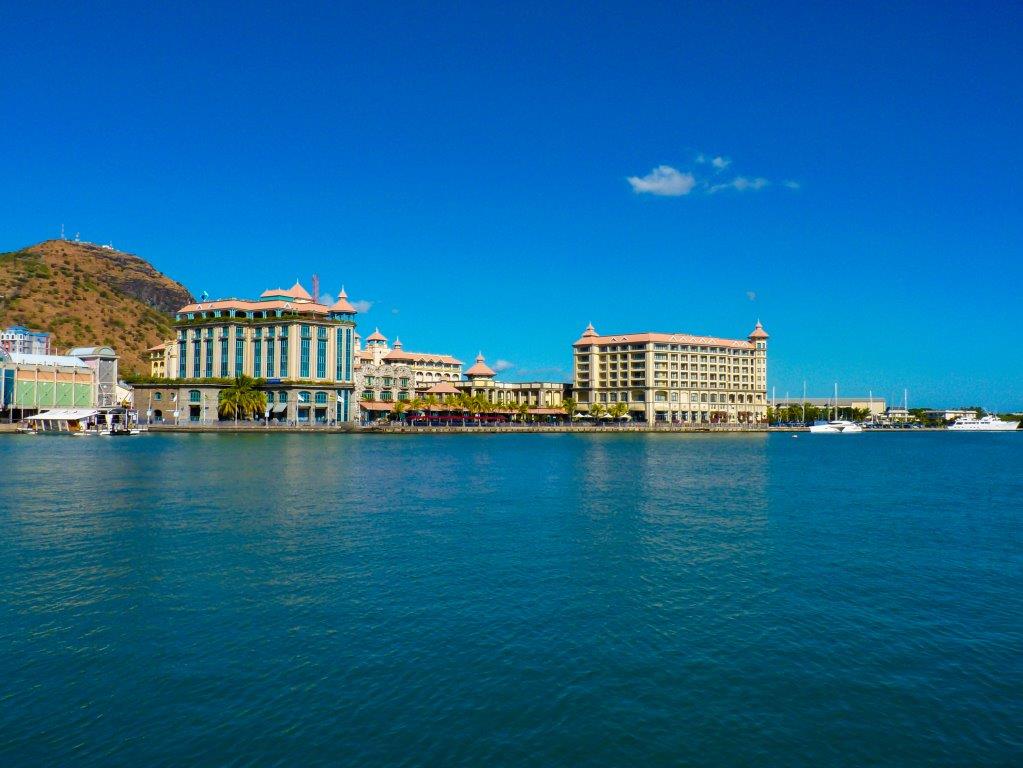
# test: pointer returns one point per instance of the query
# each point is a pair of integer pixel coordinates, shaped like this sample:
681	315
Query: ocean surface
498	600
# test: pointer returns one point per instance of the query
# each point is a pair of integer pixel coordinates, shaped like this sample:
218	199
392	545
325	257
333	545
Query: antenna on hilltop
62	232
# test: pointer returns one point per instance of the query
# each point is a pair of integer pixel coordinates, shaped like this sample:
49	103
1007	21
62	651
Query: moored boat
989	423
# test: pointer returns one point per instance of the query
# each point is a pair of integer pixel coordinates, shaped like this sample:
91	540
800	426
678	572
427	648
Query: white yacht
837	427
984	424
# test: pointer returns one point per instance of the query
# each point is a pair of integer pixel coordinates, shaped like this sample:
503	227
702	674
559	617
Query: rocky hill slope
87	295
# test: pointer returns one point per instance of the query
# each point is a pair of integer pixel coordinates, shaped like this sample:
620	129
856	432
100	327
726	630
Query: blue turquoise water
576	600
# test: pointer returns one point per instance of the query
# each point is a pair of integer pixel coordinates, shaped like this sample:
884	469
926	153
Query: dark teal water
547	600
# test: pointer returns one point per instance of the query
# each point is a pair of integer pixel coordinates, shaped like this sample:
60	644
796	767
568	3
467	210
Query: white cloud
751	295
663	180
502	365
394	311
326	298
362	305
668	181
740	183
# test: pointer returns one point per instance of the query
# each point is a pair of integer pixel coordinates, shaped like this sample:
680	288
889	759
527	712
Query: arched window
194	396
282	396
321	397
303	397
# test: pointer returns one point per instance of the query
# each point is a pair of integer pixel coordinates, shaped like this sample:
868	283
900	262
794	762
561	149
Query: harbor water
498	600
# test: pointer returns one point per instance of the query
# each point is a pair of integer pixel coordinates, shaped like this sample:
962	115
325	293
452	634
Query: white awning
64	414
280	408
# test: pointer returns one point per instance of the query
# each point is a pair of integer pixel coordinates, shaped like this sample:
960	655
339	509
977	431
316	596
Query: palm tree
618	411
522	409
568	406
241	399
399	408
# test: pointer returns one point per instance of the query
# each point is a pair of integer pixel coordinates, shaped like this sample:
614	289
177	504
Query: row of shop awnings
64	414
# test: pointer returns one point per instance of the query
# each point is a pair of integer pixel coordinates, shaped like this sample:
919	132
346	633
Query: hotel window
404	382
239	356
367	394
182	359
321	398
283	372
257	358
369	381
209	357
386	395
303	360
282	397
321	357
303	397
158	395
270	397
387	381
196	359
194	396
270	355
223	357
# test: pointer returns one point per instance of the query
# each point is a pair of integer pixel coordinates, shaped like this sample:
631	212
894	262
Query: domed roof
342	304
759	332
376	336
480	368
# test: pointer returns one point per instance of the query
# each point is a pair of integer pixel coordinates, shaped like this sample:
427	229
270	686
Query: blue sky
495	177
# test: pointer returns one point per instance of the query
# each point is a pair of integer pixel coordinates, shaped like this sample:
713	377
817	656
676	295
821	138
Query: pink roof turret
758	332
376	336
342	304
590	331
480	369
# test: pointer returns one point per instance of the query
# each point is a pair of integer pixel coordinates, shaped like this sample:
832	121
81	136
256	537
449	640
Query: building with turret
674	377
302	350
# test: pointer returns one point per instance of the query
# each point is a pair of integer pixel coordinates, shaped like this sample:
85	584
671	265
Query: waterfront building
426	368
874	406
480	380
21	340
674	377
30	384
302	351
102	360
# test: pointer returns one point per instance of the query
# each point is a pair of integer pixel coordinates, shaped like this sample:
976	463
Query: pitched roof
376	336
480	368
443	388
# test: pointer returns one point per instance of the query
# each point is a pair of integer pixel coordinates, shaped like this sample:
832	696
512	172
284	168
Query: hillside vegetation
88	295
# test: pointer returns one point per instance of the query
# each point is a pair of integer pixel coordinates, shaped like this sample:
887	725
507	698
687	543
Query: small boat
987	423
836	427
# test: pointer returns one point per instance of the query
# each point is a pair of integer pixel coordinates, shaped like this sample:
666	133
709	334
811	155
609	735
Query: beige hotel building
674	377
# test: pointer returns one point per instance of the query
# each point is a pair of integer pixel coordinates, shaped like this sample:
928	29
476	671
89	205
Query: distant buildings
674	377
874	406
951	414
21	340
